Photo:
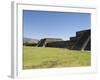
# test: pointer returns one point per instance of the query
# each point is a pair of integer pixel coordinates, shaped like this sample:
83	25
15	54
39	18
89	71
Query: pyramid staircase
81	41
41	43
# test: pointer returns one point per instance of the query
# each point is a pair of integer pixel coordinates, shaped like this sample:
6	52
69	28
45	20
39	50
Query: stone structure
43	42
58	44
82	41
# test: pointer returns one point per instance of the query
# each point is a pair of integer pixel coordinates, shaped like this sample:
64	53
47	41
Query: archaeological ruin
82	41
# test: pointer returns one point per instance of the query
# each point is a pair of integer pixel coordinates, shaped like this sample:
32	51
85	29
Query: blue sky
47	24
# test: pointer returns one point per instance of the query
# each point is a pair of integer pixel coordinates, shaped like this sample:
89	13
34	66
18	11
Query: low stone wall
58	44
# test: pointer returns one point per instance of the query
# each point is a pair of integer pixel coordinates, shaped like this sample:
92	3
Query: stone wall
59	44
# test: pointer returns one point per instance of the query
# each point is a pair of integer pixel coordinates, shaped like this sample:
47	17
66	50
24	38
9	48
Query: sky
49	24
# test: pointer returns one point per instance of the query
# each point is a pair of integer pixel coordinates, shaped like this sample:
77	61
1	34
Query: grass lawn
39	57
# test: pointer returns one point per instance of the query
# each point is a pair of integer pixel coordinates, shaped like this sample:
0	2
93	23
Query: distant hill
30	40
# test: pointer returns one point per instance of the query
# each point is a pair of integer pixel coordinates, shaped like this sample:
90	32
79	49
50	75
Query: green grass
39	57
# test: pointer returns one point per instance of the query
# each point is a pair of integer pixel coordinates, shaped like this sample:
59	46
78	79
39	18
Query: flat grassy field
40	57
